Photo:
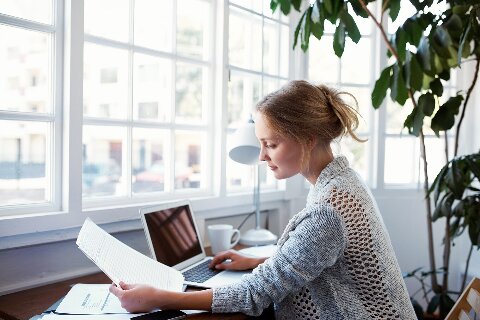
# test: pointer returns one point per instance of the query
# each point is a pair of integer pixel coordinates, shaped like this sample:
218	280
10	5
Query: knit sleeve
314	244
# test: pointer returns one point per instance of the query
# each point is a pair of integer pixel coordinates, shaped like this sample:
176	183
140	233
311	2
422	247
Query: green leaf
436	87
426	103
339	40
401	43
350	26
462	44
398	90
473	232
424	54
297	30
413	31
297	4
305	30
433	304
328	5
316	12
441	40
414	122
381	85
444	119
394	6
473	167
454	180
438	184
273	5
357	7
446	304
285	6
454	26
413	72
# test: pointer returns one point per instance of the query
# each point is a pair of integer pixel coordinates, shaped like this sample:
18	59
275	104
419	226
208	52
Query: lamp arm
256	193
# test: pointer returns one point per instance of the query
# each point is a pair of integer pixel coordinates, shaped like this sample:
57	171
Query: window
29	105
143	132
346	74
258	63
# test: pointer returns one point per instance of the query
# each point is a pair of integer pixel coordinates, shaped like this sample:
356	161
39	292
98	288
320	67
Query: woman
334	259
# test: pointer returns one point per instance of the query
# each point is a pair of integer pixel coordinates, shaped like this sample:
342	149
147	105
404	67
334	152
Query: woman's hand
237	261
139	298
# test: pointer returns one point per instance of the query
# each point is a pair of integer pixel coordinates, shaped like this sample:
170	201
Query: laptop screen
173	235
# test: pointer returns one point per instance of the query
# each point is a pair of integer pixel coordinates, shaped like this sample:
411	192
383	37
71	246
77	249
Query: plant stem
466	268
446	254
431	250
469	92
446	146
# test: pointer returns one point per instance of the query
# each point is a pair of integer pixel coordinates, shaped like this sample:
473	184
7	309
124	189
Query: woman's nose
262	156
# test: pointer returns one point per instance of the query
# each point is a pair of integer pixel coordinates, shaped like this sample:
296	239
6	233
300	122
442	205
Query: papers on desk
90	299
260	251
52	316
120	262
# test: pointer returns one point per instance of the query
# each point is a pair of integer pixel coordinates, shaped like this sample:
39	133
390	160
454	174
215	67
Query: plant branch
446	253
431	250
446	147
466	268
469	92
380	27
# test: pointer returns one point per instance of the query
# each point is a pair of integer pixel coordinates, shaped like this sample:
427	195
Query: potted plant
424	50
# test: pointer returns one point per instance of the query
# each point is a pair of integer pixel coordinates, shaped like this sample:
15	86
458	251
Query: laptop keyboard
200	273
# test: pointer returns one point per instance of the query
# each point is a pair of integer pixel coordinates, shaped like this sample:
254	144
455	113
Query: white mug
221	235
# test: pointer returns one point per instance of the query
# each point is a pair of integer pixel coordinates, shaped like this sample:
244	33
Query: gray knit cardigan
334	260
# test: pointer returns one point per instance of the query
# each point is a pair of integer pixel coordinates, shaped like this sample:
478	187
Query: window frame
53	119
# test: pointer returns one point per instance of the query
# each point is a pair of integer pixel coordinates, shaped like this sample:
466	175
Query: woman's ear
312	142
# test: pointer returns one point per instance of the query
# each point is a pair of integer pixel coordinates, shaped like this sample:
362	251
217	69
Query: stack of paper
122	263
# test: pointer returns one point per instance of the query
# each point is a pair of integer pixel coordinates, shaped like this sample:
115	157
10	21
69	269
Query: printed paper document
90	299
122	263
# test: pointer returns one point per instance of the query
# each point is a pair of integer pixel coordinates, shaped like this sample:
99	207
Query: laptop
174	240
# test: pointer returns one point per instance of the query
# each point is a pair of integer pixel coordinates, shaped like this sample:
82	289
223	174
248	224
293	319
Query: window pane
102	161
271	47
239	176
148	160
254	5
269	85
35	10
244	42
190	92
151	88
396	115
193	18
362	95
26	70
435	156
323	64
153	24
285	50
356	153
352	71
189	167
266	9
107	18
25	164
401	160
105	84
243	94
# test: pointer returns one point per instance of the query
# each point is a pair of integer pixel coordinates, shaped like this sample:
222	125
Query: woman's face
283	155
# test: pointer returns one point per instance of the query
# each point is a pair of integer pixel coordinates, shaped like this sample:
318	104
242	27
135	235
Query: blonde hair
302	111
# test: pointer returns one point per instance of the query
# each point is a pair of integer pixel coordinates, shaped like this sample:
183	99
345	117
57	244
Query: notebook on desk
174	240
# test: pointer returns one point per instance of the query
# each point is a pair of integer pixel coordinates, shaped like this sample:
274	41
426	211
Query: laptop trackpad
225	278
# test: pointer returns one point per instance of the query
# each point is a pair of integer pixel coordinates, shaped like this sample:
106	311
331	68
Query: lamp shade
245	147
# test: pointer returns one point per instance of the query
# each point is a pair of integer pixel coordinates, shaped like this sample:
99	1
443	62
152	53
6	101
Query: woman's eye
270	146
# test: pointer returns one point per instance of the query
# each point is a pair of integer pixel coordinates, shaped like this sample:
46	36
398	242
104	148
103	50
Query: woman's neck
320	157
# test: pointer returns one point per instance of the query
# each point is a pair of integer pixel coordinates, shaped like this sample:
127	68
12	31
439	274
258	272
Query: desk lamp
245	149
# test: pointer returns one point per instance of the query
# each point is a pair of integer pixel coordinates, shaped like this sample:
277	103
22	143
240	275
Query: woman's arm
236	261
143	298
